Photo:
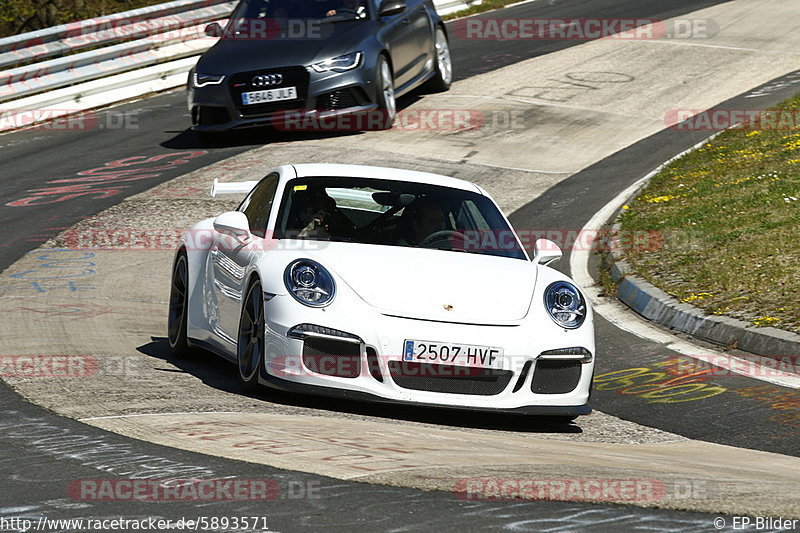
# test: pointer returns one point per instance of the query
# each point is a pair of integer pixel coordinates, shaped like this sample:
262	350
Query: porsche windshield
281	13
394	213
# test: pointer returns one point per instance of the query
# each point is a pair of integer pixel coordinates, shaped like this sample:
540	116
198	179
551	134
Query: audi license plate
269	95
453	354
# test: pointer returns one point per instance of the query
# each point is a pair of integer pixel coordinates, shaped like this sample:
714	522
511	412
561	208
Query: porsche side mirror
233	223
392	7
213	30
545	252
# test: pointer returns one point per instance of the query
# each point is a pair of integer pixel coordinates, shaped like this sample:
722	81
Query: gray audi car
292	63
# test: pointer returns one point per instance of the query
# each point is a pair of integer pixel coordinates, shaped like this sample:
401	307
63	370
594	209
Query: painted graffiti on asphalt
785	404
105	181
55	269
106	453
670	381
572	85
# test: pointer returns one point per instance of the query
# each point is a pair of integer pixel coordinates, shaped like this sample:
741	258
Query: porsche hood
438	285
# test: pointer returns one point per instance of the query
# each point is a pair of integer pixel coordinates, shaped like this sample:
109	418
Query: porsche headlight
201	80
565	304
339	64
309	282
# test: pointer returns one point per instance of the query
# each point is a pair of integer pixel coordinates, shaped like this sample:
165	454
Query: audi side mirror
392	7
213	30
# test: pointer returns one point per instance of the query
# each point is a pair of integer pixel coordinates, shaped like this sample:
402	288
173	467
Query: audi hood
242	53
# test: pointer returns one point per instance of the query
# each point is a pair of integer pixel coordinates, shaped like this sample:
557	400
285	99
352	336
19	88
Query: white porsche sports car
385	285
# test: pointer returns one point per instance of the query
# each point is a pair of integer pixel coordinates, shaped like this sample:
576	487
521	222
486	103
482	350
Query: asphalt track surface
34	477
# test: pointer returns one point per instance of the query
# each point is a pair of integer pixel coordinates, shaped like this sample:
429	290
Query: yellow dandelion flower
699	296
662	199
766	321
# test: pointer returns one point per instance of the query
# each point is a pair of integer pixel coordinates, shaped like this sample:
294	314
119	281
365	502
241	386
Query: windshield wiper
454	250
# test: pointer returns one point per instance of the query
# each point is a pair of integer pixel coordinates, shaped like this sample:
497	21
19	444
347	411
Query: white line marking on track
720	47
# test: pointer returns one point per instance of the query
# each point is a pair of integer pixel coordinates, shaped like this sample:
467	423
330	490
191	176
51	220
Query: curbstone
656	305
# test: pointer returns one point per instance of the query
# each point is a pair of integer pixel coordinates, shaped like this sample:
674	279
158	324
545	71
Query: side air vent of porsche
449	378
332	357
373	364
555	377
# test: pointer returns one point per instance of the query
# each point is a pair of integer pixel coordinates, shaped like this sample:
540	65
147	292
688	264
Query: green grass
729	217
20	16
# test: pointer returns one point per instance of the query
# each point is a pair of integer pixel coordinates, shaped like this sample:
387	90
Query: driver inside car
349	8
424	218
318	217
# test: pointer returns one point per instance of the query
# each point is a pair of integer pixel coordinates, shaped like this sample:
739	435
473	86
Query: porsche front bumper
360	356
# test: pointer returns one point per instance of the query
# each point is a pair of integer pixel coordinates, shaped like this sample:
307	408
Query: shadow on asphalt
220	374
263	135
259	136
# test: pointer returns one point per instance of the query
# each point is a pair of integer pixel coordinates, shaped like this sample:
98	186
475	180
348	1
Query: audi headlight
339	64
201	80
565	304
309	282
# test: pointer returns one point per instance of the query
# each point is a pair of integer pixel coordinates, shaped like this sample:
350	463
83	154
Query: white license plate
269	95
445	353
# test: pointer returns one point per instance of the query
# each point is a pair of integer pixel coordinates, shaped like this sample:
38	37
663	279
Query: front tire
443	69
386	98
179	308
250	345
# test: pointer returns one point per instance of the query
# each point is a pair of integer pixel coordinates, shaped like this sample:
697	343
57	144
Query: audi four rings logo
266	80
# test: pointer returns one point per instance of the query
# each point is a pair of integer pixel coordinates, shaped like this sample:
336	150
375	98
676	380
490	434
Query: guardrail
97	62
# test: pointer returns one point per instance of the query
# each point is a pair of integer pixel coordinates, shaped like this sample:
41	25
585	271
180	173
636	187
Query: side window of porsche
258	204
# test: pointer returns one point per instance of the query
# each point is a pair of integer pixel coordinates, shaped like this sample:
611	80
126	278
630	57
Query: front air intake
554	376
449	378
332	357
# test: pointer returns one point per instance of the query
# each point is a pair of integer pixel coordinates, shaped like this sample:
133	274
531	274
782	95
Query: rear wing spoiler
235	187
